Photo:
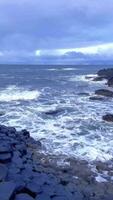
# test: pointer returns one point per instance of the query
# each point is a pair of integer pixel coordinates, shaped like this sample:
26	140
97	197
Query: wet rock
110	82
108	117
25	133
5	148
104	92
98	78
5	157
53	112
23	197
96	98
3	172
106	73
7	190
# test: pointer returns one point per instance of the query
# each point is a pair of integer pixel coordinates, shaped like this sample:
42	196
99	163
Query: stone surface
110	82
29	174
7	189
104	92
96	98
108	117
5	158
23	196
3	172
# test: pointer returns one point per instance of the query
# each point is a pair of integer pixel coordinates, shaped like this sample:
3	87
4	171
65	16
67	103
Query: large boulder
110	82
106	73
108	117
104	92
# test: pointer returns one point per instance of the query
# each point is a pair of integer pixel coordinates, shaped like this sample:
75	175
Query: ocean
52	103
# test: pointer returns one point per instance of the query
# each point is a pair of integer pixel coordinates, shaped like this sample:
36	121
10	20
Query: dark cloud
27	25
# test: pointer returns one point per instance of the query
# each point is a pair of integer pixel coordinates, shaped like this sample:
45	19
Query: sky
61	31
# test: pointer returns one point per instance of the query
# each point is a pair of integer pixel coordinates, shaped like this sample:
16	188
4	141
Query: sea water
52	102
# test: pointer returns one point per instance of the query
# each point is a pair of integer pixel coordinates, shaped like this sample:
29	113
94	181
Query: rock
110	82
53	112
43	197
25	133
7	190
104	92
3	172
96	98
17	160
5	148
23	196
99	78
5	157
106	73
108	117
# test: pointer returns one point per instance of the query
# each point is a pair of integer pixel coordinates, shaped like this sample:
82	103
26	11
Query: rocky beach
27	173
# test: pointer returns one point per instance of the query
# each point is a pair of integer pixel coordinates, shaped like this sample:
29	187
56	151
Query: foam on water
78	130
13	93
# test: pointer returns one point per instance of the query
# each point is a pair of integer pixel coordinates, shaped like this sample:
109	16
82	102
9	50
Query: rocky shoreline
27	174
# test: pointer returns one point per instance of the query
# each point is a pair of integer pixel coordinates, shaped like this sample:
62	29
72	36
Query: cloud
26	25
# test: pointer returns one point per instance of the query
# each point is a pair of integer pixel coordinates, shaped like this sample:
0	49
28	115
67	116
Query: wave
14	93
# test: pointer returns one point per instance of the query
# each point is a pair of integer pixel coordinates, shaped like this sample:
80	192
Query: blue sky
46	31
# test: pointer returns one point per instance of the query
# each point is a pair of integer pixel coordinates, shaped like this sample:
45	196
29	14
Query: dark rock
104	92
106	73
110	82
7	190
43	197
5	148
17	160
3	172
5	157
53	112
25	133
99	78
96	98
23	197
108	117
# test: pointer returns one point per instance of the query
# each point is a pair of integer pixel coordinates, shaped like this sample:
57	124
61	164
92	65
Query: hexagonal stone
23	196
5	157
6	190
3	172
42	197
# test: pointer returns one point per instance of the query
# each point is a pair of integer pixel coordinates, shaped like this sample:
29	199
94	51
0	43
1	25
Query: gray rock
5	148
104	92
5	158
7	190
3	172
99	78
43	197
106	73
23	196
96	98
110	82
108	117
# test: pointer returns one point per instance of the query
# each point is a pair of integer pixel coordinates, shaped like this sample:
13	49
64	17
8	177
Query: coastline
27	173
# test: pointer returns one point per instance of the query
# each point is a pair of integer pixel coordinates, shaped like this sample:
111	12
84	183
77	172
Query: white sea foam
13	93
86	78
80	133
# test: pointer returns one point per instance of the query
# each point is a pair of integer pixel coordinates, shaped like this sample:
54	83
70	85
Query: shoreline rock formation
28	174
